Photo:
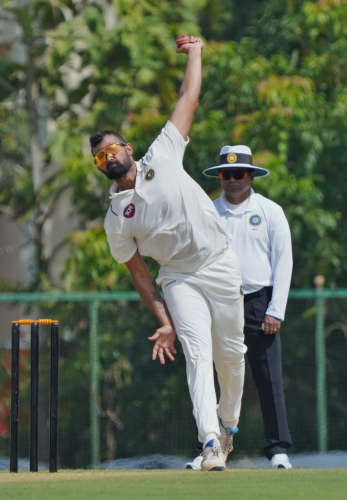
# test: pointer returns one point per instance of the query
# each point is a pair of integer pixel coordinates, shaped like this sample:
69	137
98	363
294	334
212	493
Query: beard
116	169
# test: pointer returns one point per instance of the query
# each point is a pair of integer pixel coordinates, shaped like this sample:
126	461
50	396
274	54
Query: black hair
96	138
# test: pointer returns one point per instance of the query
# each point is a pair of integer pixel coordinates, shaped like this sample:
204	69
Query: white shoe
226	438
194	464
212	456
280	461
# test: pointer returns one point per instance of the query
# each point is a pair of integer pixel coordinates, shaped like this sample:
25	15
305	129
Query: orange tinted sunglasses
107	153
236	173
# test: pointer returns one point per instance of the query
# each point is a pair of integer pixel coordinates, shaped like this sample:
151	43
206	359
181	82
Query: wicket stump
34	392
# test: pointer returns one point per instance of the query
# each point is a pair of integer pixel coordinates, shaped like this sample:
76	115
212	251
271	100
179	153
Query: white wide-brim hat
235	157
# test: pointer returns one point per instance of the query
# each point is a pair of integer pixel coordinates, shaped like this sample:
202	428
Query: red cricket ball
181	40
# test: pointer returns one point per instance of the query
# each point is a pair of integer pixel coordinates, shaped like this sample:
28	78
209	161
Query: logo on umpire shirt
129	211
255	220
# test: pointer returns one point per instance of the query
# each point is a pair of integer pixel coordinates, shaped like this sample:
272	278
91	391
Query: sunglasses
236	173
107	153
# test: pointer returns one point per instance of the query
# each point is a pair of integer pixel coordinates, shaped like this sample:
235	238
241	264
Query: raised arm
183	113
164	337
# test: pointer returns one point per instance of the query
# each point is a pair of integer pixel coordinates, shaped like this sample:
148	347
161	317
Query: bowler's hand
164	340
271	325
185	42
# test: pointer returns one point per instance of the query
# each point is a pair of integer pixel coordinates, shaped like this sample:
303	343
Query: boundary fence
319	295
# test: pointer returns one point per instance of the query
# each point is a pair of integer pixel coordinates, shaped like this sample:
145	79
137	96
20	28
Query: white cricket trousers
207	311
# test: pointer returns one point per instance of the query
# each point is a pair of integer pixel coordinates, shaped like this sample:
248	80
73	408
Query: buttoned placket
136	189
251	206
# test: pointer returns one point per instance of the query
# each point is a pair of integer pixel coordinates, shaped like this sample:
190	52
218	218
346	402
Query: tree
282	90
29	178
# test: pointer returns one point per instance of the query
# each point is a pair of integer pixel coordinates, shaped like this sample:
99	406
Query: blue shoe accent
231	430
209	443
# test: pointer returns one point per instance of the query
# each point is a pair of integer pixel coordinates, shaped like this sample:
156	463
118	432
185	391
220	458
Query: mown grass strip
307	484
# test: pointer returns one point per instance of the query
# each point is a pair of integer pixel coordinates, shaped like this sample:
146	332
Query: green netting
143	408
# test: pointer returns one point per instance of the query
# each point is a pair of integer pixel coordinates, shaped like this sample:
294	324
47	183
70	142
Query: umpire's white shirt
261	239
167	216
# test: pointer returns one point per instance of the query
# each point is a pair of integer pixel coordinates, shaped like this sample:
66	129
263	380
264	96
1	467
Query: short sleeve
169	145
122	247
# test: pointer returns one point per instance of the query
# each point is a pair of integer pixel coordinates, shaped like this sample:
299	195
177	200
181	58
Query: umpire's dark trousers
264	356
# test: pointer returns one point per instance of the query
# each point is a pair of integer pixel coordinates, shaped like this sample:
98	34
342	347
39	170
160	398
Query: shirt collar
248	205
113	189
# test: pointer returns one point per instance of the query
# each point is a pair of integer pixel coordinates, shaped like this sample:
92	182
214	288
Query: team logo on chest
255	220
150	175
129	211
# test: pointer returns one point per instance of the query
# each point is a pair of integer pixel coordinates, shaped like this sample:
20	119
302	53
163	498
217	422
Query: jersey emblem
150	175
255	220
129	211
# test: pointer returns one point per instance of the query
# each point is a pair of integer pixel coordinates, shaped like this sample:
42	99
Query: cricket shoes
226	438
226	441
212	456
280	461
195	464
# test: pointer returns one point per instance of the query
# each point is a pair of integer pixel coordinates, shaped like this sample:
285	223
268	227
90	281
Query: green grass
234	484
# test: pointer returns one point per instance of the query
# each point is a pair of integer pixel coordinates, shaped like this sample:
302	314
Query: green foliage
260	92
281	90
91	268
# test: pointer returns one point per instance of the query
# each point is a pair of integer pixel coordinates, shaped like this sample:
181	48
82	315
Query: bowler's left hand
164	340
271	325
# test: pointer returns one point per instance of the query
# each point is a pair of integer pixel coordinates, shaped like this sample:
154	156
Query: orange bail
39	321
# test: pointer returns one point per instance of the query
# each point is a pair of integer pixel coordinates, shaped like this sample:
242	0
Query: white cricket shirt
167	216
261	239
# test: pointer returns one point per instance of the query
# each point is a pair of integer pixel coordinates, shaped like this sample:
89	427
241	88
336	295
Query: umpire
261	239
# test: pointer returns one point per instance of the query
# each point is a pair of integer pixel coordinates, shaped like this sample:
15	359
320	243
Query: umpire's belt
266	290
